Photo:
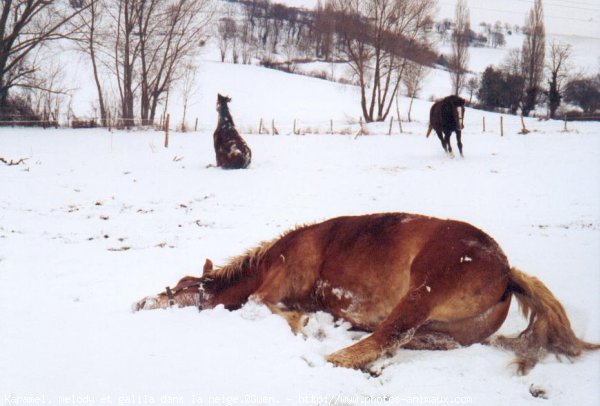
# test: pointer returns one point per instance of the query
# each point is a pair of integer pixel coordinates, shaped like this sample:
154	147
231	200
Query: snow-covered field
96	220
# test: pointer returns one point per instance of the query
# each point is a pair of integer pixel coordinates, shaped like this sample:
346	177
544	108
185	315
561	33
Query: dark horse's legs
459	142
441	137
448	134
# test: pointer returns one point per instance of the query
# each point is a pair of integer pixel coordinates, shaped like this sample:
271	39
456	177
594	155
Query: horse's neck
225	119
231	285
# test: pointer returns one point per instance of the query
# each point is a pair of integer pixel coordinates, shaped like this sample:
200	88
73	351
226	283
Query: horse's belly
365	309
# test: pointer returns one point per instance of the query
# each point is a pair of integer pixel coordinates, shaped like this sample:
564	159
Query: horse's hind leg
432	341
395	331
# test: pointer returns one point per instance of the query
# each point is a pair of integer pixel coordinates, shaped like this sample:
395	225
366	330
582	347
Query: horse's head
459	108
189	291
222	102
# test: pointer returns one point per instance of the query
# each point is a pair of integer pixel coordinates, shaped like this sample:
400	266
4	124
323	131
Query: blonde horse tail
549	329
428	131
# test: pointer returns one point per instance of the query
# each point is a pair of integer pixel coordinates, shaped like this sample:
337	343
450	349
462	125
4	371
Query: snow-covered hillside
577	18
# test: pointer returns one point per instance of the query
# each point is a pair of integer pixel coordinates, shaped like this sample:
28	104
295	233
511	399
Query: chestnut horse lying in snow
413	281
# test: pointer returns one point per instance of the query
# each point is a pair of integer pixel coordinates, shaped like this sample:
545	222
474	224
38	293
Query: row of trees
530	77
138	49
141	46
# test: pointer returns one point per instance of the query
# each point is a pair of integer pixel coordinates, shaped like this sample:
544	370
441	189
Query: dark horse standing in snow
447	115
231	150
413	281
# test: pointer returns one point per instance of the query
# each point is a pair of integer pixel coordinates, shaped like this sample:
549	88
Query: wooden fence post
260	126
391	122
483	123
360	129
565	123
167	131
502	126
331	126
196	125
398	115
294	130
524	129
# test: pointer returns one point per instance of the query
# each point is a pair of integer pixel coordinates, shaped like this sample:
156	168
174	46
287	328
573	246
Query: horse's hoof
339	360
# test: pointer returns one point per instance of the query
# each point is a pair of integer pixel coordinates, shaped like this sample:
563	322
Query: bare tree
514	80
227	32
25	25
414	74
557	67
460	46
324	30
378	36
126	53
472	84
188	88
87	39
189	20
533	52
48	92
151	40
246	41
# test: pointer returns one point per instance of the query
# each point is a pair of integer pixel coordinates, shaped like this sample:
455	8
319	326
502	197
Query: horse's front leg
459	142
441	137
447	136
277	287
395	331
296	319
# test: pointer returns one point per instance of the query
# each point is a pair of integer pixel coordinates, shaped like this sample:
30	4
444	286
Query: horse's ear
208	266
221	98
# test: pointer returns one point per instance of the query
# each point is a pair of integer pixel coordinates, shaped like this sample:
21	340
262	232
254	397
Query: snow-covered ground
96	220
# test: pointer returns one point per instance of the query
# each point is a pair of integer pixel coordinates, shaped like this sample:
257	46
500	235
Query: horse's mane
250	260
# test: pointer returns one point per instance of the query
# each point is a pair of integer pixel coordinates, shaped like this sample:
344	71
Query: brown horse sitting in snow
447	115
413	281
230	148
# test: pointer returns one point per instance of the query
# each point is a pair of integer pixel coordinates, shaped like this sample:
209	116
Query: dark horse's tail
549	329
428	131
